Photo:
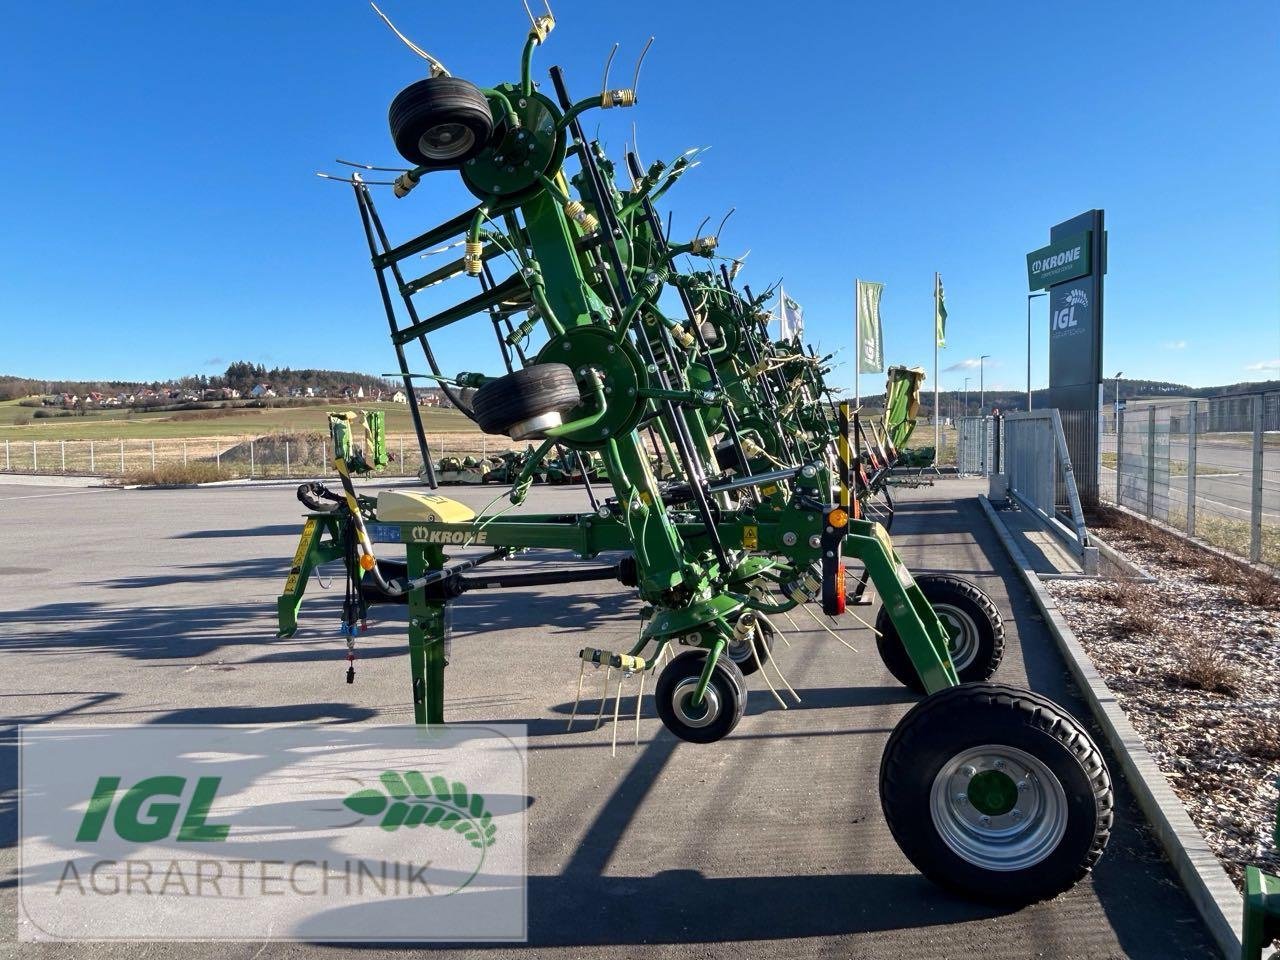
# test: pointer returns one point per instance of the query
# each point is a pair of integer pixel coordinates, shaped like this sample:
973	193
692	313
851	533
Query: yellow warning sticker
304	544
750	537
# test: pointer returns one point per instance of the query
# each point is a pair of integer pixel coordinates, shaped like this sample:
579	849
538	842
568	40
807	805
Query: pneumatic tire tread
527	393
959	592
976	713
436	100
730	685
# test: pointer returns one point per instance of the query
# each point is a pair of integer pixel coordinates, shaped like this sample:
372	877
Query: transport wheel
721	707
972	620
739	651
996	793
526	403
440	121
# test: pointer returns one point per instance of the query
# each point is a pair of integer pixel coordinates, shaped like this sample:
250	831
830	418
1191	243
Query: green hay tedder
738	484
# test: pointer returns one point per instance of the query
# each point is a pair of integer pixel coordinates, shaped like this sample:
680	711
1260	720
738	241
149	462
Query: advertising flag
792	316
870	338
940	315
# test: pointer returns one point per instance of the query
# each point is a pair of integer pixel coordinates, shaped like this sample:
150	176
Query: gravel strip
1197	670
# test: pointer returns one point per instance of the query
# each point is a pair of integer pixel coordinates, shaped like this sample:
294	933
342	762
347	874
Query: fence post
251	458
34	466
1255	506
122	458
1151	461
184	453
1193	432
153	455
324	453
63	451
8	464
1119	449
287	472
402	456
92	467
217	457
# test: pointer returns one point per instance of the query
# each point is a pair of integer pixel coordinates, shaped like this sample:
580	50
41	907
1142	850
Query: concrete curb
1196	865
1115	558
51	480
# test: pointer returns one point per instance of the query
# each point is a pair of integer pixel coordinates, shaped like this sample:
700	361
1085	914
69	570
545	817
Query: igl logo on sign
1065	318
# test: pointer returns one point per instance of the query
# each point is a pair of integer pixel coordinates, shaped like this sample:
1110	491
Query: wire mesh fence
301	455
1208	467
975	445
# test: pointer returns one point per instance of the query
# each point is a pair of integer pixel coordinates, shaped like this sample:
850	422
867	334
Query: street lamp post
982	385
966	397
1030	297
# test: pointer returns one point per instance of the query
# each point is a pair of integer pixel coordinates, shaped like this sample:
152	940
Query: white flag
792	316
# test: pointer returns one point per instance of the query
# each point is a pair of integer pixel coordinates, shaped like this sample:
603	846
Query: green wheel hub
588	348
993	792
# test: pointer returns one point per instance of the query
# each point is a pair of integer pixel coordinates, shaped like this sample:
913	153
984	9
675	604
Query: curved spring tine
365	166
698	232
720	229
604	84
436	66
375	183
635	80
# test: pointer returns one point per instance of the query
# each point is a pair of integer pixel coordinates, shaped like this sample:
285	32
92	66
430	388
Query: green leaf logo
413	800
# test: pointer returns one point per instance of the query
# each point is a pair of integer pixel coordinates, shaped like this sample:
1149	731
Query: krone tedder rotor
735	493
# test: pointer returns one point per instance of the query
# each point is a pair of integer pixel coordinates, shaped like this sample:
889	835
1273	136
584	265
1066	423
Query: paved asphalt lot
158	606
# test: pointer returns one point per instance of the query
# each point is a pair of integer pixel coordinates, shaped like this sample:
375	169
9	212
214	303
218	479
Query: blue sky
162	216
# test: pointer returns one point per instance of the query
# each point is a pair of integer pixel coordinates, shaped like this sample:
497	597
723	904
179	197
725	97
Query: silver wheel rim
702	715
963	634
445	141
1015	839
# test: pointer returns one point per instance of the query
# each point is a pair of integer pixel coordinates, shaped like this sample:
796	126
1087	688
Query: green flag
940	315
870	339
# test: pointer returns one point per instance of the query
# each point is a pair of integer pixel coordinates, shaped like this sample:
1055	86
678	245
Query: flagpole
857	345
937	425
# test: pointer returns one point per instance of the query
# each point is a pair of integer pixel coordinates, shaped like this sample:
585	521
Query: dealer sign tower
1071	267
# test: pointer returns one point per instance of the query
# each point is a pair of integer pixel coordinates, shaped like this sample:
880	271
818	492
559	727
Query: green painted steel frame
588	535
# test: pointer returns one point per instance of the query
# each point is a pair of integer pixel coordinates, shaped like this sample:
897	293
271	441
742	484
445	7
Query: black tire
740	653
977	631
531	392
1051	768
440	122
726	697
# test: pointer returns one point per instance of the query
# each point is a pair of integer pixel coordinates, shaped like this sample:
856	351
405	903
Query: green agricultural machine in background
733	494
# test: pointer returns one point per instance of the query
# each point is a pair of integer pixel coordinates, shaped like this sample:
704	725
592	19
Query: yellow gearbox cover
409	506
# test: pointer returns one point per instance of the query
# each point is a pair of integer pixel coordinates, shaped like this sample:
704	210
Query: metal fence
1208	467
975	446
1037	464
270	456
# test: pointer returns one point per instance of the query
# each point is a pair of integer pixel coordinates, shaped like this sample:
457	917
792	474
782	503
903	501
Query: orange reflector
366	562
838	518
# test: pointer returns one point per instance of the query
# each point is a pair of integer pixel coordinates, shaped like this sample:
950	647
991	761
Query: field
17	422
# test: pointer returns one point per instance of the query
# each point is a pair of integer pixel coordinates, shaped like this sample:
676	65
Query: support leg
426	641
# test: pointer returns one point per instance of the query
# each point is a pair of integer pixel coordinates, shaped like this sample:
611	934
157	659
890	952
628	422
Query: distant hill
240	375
952	401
